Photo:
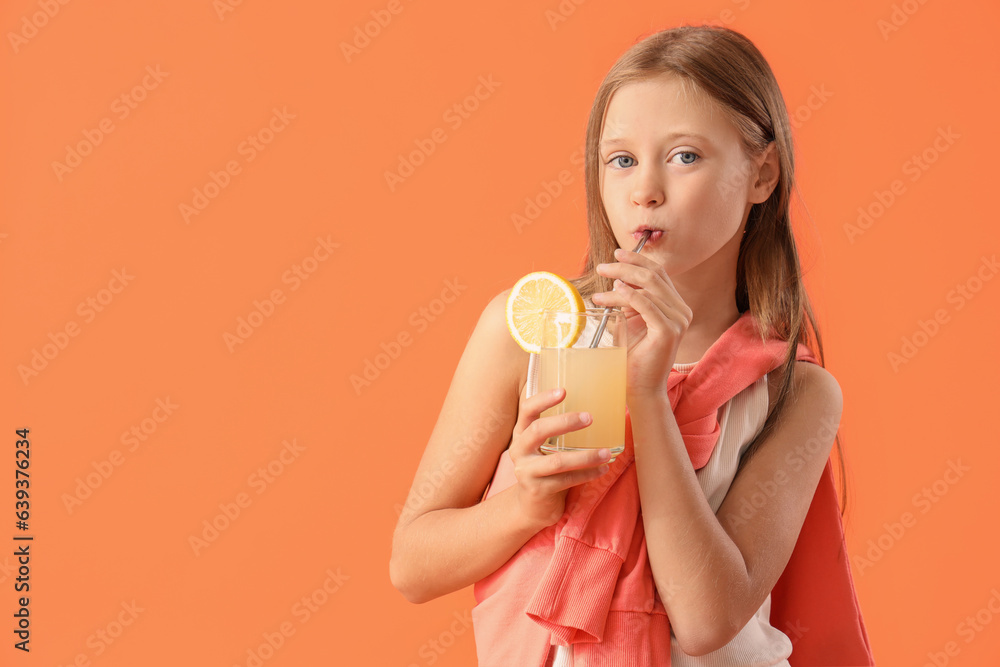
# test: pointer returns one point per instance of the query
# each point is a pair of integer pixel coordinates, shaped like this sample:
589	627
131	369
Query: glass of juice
594	377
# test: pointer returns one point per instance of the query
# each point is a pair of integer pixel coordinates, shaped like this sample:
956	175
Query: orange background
332	507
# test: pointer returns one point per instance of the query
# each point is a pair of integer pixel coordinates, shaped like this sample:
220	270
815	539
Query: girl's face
671	162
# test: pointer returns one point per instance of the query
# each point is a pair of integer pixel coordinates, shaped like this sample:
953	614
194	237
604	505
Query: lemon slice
535	293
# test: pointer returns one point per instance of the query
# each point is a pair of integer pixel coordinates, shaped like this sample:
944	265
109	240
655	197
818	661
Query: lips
657	233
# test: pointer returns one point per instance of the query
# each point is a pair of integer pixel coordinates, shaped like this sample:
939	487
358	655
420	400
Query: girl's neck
713	306
709	290
699	338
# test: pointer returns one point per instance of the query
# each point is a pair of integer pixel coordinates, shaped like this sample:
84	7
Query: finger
555	483
638	260
558	463
653	311
542	428
532	407
664	299
613	299
629	273
621	297
604	299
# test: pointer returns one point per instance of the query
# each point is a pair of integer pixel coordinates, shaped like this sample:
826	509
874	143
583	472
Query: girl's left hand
657	318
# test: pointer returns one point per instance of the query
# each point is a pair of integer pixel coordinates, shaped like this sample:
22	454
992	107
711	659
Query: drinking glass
594	378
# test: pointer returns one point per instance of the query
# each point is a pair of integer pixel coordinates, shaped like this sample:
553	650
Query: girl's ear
766	174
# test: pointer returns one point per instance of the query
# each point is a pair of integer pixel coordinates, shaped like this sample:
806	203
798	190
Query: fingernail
585	417
619	252
603	468
604	454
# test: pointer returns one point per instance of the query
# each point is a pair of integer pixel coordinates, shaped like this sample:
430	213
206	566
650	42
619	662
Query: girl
737	555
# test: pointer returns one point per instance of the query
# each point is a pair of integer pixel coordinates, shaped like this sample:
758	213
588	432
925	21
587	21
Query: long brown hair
726	66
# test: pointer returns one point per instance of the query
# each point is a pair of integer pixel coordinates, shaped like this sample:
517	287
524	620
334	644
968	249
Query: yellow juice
594	380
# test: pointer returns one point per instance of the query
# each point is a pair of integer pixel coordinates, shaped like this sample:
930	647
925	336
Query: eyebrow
614	141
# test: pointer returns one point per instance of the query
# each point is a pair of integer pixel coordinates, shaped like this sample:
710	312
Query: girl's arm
446	539
713	571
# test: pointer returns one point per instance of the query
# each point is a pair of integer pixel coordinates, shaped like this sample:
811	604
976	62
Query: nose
647	190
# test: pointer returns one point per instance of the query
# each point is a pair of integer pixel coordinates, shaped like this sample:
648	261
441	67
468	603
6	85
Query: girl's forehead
663	101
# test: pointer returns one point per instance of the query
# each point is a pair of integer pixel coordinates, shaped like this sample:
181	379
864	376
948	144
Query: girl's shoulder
493	324
807	374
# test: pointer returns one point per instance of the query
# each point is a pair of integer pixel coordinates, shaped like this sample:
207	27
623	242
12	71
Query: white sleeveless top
757	644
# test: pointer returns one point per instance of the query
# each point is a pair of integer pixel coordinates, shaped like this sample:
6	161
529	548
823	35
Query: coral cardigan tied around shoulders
586	580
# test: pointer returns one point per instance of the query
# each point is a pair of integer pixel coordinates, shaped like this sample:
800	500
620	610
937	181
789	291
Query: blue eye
623	157
693	155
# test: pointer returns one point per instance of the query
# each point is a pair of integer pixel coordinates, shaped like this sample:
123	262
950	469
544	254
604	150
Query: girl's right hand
544	479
